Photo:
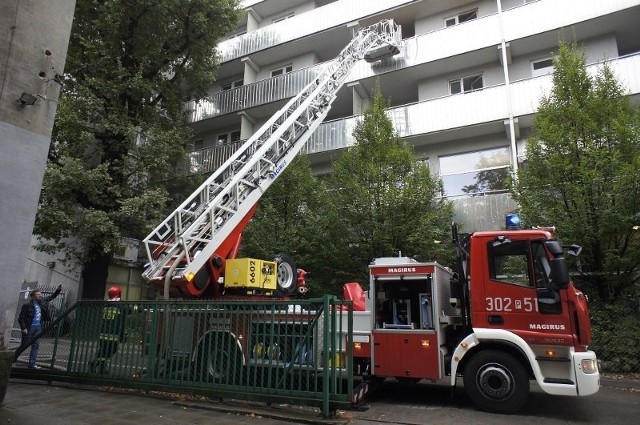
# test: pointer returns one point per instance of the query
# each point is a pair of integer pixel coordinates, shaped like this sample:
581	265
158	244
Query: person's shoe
35	366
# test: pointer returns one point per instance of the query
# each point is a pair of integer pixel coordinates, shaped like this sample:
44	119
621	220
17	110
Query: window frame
284	69
546	70
228	137
461	82
456	18
232	84
198	144
443	174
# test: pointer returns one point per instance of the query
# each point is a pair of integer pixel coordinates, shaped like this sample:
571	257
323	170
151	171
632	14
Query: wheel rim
495	382
285	275
218	368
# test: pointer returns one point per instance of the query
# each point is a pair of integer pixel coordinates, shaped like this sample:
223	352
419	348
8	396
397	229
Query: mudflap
359	394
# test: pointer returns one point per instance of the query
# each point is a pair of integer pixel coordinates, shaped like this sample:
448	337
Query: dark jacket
113	322
27	311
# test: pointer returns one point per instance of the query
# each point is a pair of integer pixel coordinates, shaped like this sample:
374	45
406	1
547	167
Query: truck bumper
587	373
584	378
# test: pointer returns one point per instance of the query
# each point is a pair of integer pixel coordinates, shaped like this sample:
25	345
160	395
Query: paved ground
34	402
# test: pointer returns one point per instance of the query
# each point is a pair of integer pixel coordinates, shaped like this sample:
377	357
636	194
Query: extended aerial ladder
187	251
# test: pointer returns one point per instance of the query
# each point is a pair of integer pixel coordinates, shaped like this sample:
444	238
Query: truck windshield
521	262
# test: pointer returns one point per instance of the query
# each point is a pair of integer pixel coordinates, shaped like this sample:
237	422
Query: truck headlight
589	366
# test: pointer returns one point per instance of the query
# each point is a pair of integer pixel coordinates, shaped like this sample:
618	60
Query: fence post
325	357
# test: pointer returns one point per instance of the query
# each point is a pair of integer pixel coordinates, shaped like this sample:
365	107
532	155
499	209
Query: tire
218	363
287	275
496	382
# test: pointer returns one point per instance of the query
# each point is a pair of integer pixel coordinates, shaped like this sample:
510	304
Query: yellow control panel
250	273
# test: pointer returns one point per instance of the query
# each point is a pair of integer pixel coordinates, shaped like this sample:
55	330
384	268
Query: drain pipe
507	85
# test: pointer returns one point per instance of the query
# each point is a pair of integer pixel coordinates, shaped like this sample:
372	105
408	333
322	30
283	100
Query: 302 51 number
526	304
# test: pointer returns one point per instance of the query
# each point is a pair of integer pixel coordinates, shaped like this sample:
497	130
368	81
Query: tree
121	126
581	173
386	201
293	219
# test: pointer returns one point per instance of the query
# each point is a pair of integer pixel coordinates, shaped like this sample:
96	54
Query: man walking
32	315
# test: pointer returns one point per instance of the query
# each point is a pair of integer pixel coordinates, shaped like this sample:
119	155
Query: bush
616	339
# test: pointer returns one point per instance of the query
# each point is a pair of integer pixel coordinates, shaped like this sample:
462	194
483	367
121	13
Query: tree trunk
94	277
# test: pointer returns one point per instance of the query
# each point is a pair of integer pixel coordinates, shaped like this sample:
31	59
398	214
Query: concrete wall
34	36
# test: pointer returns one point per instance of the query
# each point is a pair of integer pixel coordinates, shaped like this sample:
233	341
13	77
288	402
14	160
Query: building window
462	17
541	67
475	173
198	144
466	84
226	138
282	18
232	84
283	70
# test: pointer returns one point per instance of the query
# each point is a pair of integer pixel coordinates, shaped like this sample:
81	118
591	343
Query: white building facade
463	90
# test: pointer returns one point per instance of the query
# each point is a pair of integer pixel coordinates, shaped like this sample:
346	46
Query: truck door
517	296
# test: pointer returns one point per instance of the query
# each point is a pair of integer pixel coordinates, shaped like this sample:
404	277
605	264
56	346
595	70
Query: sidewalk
36	402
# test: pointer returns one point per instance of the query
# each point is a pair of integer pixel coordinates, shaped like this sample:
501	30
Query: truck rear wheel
287	274
219	365
496	382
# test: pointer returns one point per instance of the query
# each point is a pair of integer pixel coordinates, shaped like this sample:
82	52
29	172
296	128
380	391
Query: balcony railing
449	112
254	94
461	110
320	19
520	22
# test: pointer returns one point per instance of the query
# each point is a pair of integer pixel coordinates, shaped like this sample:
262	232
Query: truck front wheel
496	382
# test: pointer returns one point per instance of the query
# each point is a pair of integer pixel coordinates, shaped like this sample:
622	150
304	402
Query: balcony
520	23
255	94
436	115
320	19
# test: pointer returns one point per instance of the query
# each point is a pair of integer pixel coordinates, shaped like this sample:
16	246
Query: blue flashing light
512	221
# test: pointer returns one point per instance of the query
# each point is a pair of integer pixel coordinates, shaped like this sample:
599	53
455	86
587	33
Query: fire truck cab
508	315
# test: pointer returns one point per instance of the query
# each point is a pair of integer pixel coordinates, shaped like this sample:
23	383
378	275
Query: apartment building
463	90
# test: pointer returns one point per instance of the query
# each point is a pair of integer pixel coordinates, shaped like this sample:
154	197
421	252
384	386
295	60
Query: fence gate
56	306
294	352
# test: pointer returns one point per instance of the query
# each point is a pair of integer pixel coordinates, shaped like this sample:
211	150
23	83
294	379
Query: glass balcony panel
477	213
476	183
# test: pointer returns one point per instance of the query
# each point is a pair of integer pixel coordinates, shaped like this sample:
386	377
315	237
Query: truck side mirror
574	250
559	273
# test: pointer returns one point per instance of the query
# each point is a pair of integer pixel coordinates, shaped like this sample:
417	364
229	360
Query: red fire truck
508	315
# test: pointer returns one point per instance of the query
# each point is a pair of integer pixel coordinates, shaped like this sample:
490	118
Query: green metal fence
294	352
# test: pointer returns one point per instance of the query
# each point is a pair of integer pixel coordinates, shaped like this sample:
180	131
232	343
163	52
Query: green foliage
583	163
386	202
292	219
121	125
377	202
616	340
